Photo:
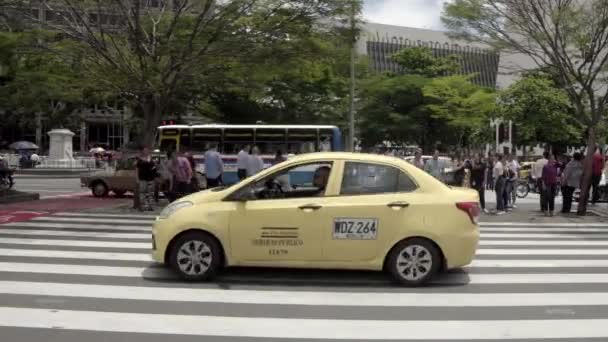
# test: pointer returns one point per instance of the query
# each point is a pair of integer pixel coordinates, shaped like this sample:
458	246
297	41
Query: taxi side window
304	180
367	179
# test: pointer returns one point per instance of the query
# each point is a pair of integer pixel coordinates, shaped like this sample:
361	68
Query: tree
568	37
465	107
393	110
151	53
303	82
421	61
37	80
424	106
541	112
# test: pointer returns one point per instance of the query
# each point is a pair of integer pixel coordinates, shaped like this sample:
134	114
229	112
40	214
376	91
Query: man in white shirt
241	162
537	174
255	163
499	184
513	167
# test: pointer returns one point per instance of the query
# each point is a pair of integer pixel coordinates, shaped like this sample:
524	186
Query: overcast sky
411	13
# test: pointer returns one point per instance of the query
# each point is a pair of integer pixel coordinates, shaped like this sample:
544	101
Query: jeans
539	188
499	187
595	183
481	190
567	192
514	184
146	194
549	197
507	193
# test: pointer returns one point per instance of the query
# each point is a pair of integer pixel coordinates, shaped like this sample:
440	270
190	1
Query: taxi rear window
367	178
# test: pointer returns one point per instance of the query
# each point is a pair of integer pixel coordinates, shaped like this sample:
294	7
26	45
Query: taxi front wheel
413	262
195	256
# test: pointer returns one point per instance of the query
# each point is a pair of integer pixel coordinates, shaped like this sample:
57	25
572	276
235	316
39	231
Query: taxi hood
206	196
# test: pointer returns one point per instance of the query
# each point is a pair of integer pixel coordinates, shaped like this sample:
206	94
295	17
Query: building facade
381	42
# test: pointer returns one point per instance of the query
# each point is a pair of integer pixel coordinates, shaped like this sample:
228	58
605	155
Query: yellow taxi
328	210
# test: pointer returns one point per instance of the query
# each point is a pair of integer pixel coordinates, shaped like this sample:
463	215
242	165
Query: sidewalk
528	210
530	213
74	203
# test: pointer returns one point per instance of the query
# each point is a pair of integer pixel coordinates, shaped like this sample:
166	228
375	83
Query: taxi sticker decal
355	228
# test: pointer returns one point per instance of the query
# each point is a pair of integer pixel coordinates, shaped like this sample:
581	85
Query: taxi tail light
471	208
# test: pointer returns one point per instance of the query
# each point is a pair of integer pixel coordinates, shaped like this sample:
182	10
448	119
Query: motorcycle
528	185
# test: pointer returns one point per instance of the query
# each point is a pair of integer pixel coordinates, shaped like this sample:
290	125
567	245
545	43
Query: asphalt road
88	277
50	187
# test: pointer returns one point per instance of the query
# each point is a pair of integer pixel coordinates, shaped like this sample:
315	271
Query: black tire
99	189
119	193
413	277
215	254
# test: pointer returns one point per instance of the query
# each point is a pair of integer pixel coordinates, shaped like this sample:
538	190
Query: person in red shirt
596	175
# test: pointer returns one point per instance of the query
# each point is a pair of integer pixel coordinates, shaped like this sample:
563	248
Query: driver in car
320	179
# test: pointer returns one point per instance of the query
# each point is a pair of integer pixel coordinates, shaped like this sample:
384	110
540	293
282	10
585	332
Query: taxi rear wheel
195	256
413	262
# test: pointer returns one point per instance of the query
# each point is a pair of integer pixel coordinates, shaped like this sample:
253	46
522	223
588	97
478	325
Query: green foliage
420	61
542	112
36	79
425	107
231	61
393	110
464	106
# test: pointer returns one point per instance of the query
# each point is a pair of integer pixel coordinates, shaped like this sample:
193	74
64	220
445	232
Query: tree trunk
152	110
152	114
588	170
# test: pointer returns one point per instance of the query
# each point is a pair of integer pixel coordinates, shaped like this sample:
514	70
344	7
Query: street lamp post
351	112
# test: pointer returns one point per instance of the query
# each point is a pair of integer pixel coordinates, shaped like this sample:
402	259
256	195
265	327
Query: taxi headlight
173	207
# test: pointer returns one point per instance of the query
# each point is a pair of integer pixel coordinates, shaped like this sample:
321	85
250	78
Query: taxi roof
346	155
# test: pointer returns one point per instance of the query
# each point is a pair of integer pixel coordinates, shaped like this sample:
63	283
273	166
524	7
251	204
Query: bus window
270	140
302	140
235	139
202	137
185	143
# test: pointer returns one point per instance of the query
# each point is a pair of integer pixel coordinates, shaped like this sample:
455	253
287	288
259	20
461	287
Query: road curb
18	197
47	173
598	212
46	176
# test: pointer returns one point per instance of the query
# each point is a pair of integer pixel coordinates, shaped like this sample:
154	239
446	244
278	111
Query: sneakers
502	212
486	211
514	206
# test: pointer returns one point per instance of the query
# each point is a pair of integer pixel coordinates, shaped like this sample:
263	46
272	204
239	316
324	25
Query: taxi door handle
398	204
308	207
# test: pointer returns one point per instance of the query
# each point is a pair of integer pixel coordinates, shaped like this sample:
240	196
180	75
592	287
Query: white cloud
410	13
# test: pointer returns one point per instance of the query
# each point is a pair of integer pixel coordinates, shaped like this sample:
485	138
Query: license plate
355	229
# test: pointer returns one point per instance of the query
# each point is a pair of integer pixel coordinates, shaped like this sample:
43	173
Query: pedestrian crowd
502	174
177	177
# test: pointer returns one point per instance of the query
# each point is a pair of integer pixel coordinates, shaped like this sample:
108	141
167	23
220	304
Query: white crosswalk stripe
93	272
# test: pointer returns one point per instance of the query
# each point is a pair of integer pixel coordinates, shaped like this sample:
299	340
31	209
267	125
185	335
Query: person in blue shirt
214	167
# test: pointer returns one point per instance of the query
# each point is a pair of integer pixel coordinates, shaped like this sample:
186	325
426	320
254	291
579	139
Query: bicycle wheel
522	190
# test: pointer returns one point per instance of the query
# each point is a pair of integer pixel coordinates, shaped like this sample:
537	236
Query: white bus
289	139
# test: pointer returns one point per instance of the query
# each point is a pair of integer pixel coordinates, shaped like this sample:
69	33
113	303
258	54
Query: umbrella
23	145
97	150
